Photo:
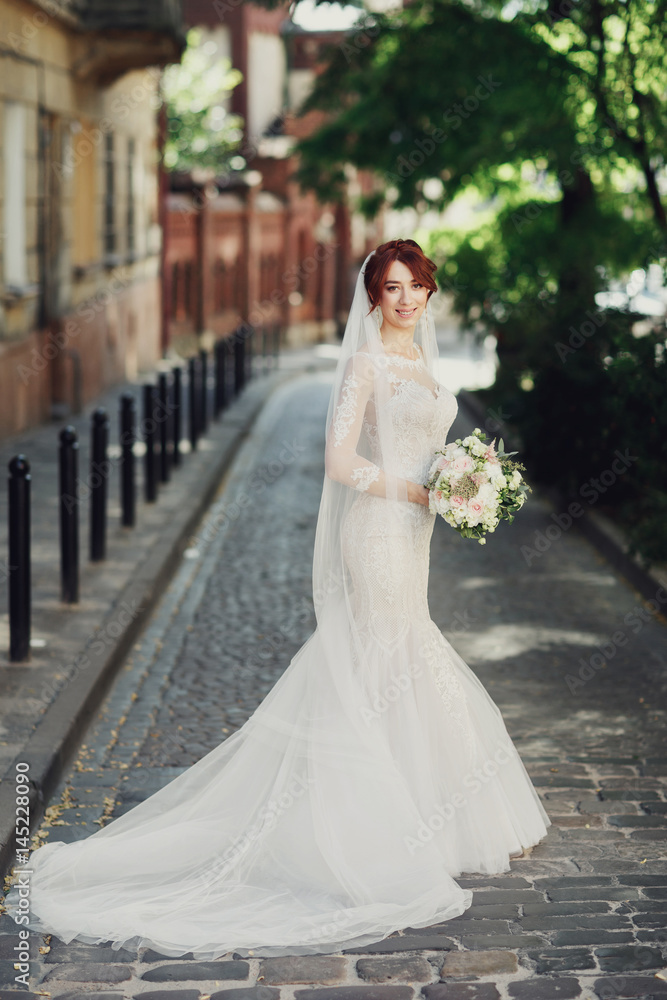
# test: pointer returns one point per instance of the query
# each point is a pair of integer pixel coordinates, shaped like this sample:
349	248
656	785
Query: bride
378	768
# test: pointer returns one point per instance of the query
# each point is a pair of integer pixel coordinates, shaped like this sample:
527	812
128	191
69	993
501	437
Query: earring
378	316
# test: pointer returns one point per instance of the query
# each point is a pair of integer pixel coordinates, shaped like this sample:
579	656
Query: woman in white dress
378	768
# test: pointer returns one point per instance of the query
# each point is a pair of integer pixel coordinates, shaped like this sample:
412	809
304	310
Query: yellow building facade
80	225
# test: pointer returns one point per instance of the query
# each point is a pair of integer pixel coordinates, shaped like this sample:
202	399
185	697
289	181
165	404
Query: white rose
487	492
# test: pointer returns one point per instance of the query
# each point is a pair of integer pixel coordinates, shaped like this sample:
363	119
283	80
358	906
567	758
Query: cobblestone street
574	659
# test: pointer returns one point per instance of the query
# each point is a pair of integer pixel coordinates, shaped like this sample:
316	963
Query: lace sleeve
342	460
364	476
346	411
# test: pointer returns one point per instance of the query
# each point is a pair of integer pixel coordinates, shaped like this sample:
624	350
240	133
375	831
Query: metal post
249	346
99	476
19	559
178	415
150	477
238	362
220	396
203	418
165	420
229	369
193	403
128	491
68	470
264	357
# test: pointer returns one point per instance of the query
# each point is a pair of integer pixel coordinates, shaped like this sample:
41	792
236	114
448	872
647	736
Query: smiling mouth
406	312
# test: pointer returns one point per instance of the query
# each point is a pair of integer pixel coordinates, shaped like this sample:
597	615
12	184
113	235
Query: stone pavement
575	660
76	649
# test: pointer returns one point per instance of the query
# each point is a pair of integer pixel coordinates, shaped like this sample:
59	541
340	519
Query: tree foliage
201	134
554	117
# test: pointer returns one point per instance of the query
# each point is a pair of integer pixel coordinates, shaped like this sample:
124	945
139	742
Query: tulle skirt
341	811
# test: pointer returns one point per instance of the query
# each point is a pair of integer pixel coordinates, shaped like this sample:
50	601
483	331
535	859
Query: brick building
79	207
105	264
251	245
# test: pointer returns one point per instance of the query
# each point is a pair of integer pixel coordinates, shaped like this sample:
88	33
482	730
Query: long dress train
346	804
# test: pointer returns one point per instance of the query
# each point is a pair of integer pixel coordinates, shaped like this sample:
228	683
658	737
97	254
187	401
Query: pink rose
456	501
476	507
463	463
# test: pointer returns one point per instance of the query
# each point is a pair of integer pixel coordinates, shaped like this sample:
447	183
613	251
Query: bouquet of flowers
474	485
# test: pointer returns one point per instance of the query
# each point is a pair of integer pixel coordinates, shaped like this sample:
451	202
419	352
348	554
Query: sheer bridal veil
292	835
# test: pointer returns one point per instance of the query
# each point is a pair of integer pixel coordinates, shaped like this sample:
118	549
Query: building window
84	235
131	151
14	249
109	196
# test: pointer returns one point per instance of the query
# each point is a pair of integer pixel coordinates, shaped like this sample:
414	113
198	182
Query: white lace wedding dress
344	807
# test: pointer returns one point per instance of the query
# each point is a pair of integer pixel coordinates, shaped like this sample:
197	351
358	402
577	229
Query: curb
605	536
57	735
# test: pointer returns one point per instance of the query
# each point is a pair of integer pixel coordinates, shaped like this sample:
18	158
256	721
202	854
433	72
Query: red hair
407	252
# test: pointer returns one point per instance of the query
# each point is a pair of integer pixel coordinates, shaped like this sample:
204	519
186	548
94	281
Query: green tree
201	134
554	116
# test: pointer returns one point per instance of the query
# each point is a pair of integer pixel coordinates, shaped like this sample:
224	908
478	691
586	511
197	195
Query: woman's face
403	299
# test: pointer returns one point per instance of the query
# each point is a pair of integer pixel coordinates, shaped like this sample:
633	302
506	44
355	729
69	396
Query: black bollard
149	427
128	490
68	470
229	369
193	403
264	357
219	393
19	559
100	468
247	373
203	401
165	420
239	361
177	403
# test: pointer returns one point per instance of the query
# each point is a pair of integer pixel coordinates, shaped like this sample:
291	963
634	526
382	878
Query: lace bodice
421	411
388	557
